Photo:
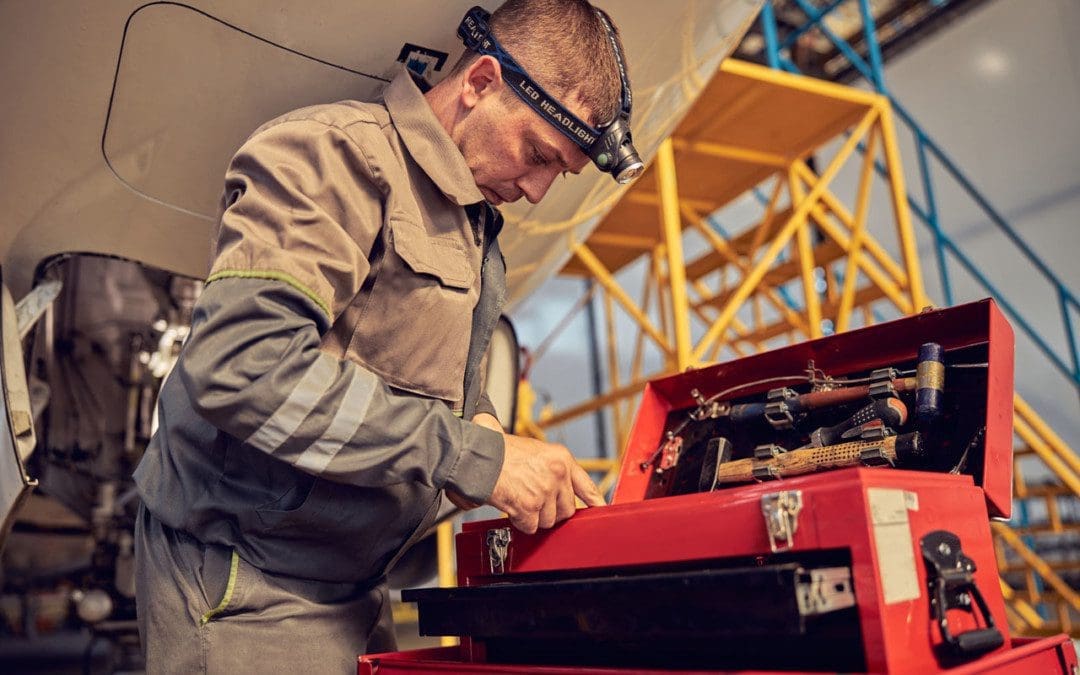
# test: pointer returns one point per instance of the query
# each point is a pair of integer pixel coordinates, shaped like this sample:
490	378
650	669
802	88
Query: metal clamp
765	471
881	383
768	451
781	511
824	590
498	546
950	575
777	410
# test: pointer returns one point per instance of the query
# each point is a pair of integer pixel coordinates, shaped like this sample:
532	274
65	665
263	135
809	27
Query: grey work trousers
202	608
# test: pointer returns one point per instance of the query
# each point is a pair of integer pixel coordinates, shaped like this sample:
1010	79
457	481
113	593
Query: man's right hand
538	483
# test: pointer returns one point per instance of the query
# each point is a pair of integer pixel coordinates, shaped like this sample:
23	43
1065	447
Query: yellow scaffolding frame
753	125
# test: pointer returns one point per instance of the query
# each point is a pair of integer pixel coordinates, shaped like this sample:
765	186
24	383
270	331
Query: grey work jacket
318	408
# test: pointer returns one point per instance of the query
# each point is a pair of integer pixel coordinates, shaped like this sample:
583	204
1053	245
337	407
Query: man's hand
538	482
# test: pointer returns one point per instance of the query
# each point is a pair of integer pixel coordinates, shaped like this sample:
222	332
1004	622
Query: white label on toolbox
892	539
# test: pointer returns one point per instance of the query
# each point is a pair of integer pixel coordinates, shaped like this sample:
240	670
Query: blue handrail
926	148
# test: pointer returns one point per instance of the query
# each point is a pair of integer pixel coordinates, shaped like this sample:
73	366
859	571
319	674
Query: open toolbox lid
975	430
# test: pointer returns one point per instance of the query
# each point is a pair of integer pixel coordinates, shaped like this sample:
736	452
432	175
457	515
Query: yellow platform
749	123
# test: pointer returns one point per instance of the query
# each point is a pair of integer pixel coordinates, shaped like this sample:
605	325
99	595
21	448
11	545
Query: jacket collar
428	142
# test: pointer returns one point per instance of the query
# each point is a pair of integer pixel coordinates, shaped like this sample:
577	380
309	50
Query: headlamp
610	147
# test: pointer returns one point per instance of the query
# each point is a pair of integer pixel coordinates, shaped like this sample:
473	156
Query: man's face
512	151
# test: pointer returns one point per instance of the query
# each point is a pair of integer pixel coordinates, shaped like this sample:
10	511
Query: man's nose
535	184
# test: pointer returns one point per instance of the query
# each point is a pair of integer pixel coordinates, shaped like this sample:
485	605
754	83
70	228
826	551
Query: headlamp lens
629	172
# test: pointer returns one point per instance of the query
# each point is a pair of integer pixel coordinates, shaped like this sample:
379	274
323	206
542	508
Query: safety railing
870	67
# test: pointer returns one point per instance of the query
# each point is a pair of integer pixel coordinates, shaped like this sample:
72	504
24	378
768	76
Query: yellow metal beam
721	246
784	235
806	259
653	199
632	241
596	463
1054	462
637	360
800	83
592	405
1023	609
1052	440
445	546
858	233
732	152
612	286
902	214
656	267
880	255
669	208
613	365
1036	564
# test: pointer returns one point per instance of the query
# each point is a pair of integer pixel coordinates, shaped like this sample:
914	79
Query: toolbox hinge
781	511
498	546
669	454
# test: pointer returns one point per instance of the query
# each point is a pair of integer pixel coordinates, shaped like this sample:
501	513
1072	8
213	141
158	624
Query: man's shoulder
355	118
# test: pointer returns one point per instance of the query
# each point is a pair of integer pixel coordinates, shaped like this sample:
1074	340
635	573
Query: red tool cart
820	507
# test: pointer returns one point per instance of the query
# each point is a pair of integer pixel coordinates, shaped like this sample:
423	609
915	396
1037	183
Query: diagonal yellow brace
723	248
1060	447
605	278
754	277
1052	460
887	286
844	216
1037	564
1023	609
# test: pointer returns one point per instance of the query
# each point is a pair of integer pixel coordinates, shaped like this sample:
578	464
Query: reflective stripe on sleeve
350	415
285	420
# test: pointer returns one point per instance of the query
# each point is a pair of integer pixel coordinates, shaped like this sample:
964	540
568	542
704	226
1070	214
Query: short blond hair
565	47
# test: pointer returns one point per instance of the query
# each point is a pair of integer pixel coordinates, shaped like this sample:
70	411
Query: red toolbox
730	545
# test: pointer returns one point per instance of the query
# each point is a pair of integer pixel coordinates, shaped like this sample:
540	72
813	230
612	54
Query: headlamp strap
477	36
627	97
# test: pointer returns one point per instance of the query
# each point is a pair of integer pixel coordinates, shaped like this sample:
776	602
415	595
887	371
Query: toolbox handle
978	641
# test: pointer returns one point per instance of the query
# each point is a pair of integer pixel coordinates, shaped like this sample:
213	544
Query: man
329	391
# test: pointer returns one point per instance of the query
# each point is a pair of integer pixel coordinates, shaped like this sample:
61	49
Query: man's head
511	149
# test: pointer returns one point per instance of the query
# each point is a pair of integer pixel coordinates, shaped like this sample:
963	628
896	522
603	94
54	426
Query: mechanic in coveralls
329	392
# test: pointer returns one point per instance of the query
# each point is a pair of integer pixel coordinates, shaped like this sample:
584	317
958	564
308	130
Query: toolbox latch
950	575
498	546
781	511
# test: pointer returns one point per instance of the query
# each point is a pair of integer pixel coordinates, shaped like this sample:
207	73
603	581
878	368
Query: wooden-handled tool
887	450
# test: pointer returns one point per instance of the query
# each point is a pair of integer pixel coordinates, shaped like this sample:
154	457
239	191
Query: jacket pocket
415	325
228	595
440	257
289	507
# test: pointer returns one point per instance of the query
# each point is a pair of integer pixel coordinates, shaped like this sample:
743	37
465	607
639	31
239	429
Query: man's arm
253	368
286	266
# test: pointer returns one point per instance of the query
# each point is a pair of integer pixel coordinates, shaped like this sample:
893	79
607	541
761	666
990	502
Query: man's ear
482	78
